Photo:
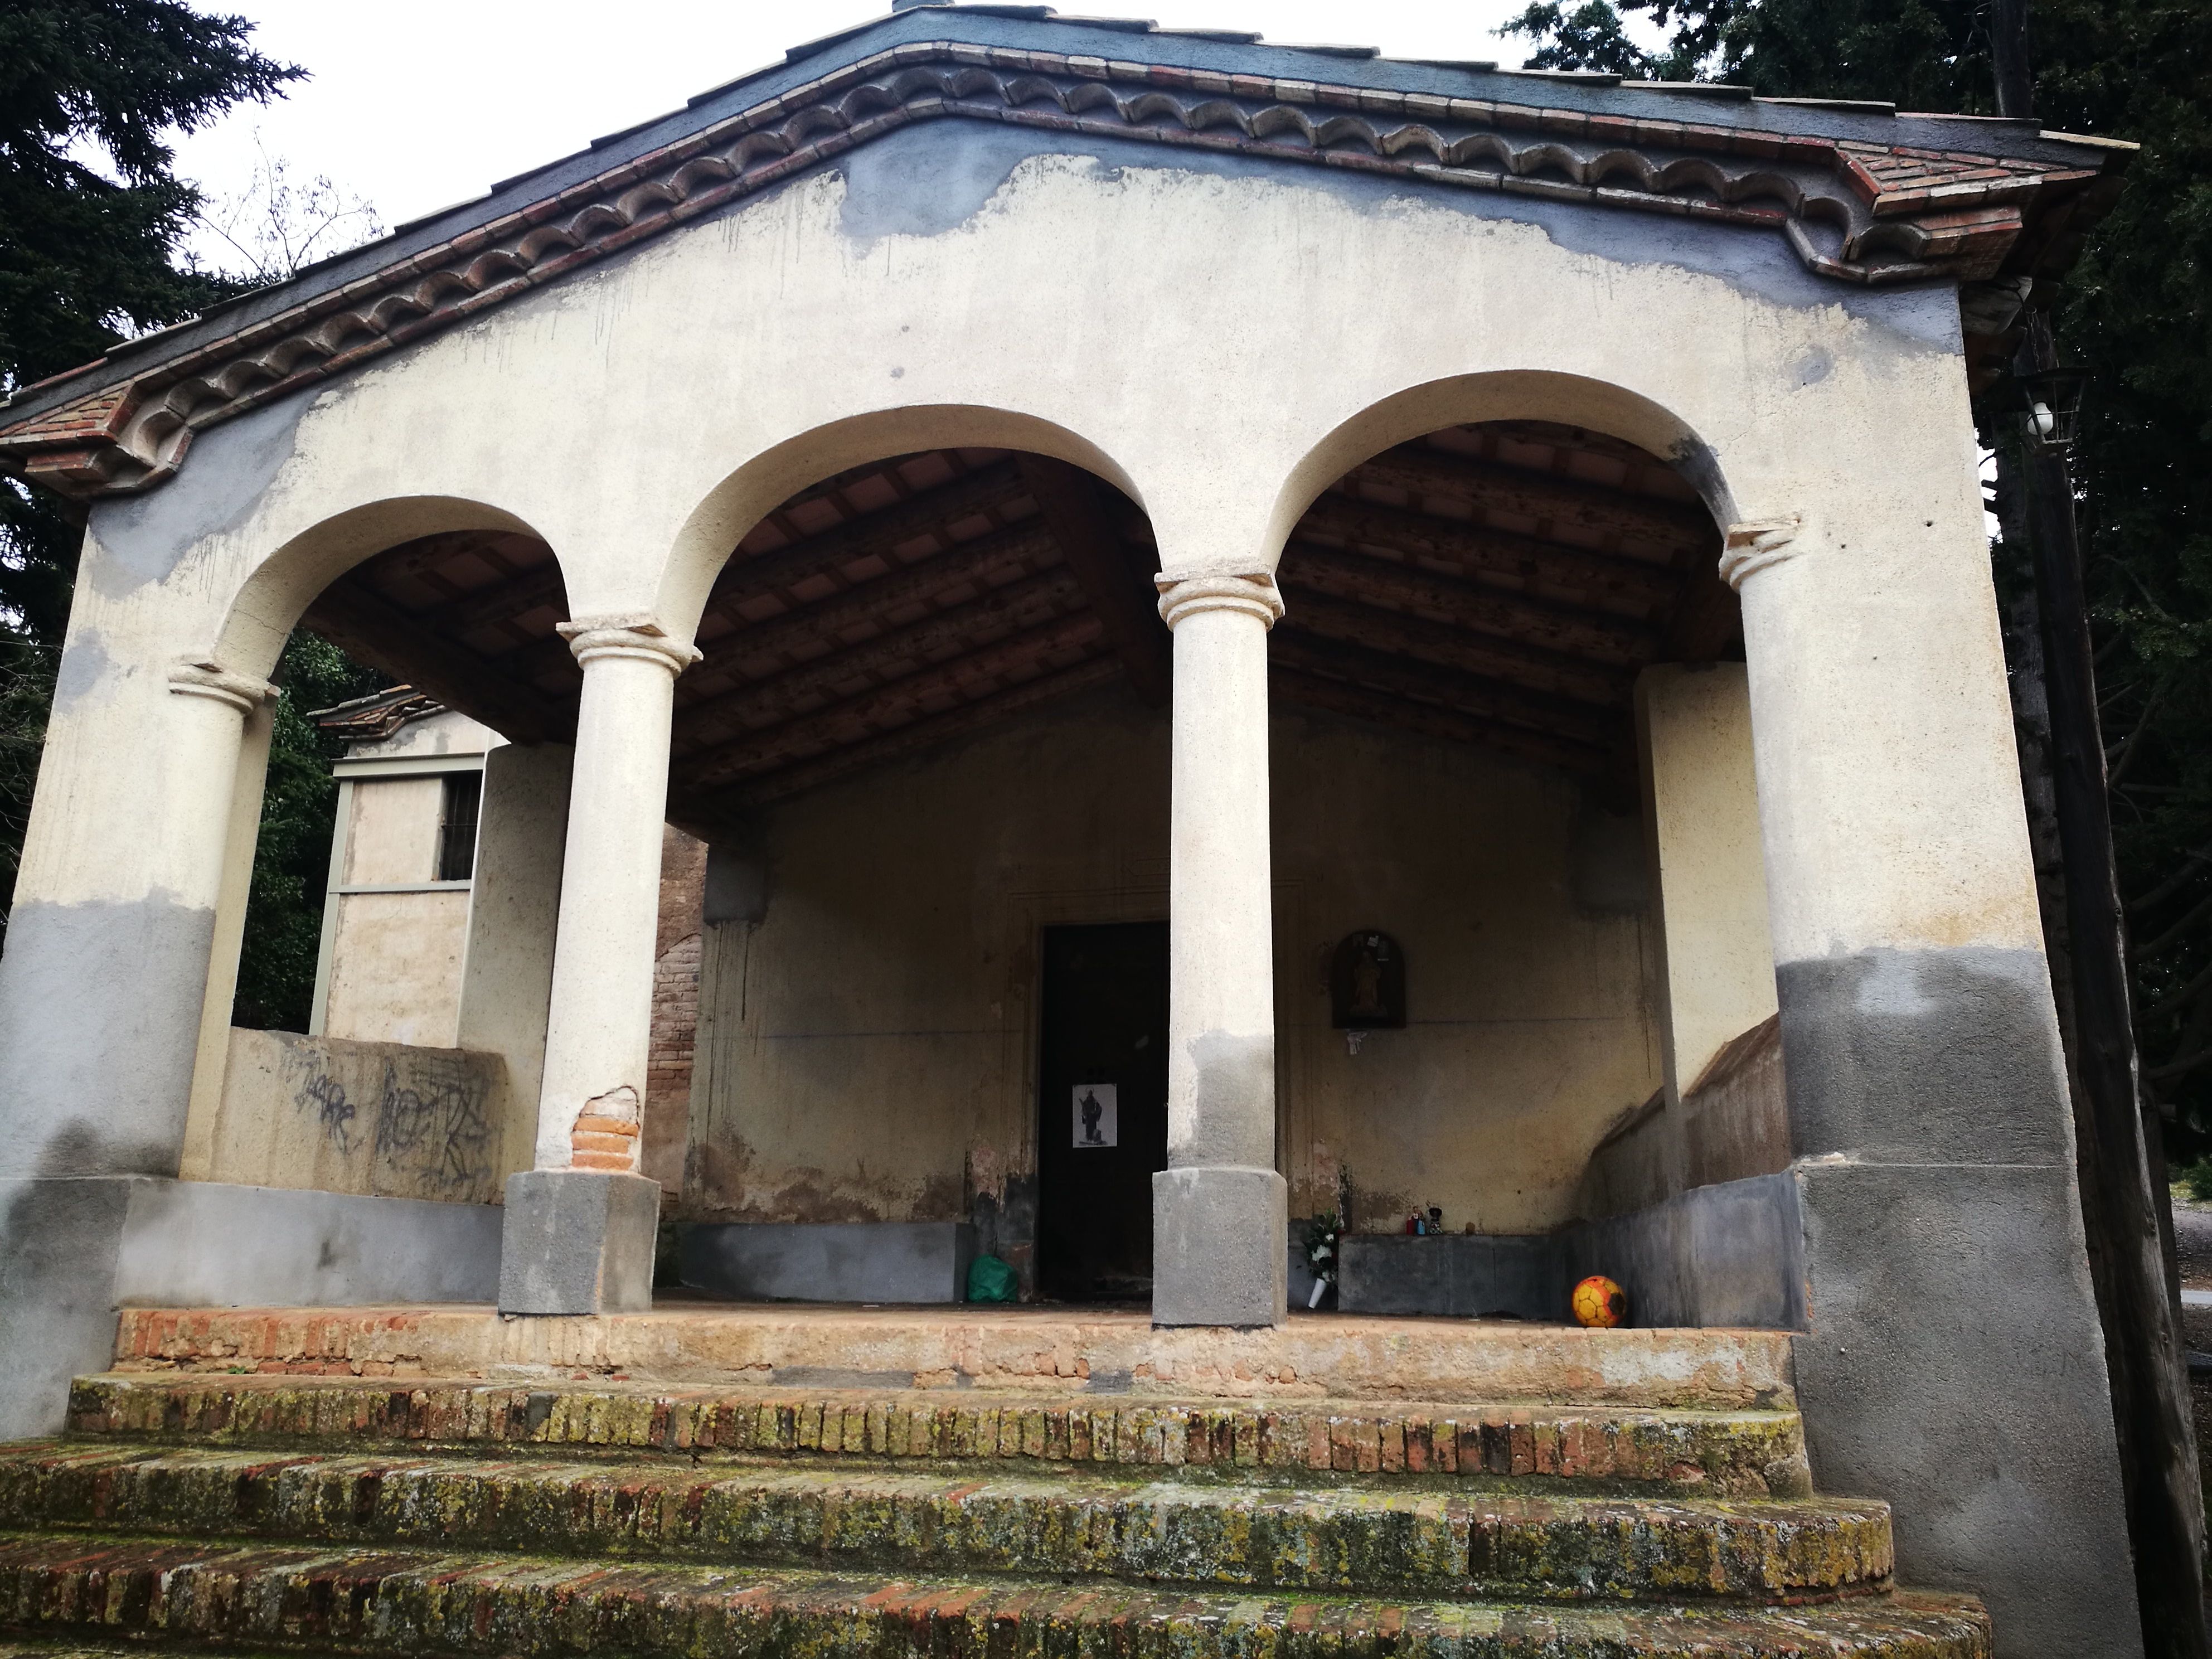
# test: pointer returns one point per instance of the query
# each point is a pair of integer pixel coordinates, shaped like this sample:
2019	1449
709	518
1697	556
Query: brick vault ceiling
1499	586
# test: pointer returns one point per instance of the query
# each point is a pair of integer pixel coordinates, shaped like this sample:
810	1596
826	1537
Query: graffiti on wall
392	1121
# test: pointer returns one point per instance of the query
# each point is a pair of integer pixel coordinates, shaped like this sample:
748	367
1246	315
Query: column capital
639	637
1759	544
205	677
1254	595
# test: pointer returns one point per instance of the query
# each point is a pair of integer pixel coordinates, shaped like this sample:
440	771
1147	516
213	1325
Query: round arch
272	599
1499	395
713	529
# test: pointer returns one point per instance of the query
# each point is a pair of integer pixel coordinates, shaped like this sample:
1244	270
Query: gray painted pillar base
59	1240
1218	1255
578	1241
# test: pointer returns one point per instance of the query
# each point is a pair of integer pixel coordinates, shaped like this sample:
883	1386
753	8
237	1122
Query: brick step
421	1603
1384	1537
1727	1453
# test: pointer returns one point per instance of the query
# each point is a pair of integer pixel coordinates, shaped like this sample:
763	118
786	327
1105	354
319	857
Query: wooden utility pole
2127	1209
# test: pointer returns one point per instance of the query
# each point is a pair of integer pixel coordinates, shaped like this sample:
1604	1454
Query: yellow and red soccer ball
1600	1303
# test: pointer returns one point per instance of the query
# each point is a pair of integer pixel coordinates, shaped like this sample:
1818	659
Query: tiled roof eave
1851	210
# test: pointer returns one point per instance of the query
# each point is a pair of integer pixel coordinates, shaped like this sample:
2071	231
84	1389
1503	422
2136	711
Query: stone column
101	990
579	1233
1952	1362
1220	1224
1701	826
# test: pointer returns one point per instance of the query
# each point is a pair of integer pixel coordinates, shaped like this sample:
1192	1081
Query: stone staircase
241	1502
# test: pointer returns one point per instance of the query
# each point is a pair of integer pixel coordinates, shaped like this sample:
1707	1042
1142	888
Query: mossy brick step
1734	1454
469	1605
1034	1352
1386	1538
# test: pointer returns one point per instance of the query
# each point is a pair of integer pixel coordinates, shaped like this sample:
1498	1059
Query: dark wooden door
1103	1127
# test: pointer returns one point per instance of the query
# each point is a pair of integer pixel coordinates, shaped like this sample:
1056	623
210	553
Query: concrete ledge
200	1244
1013	1350
903	1261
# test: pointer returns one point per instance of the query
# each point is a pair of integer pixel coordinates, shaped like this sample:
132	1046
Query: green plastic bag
990	1279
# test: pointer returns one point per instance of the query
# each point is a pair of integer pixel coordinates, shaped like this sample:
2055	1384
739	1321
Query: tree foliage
92	222
2132	311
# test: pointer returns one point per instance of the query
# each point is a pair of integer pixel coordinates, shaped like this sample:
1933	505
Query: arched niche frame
710	533
1499	395
272	599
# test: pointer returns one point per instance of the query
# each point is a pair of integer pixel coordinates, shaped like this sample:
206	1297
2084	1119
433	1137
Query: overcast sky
413	118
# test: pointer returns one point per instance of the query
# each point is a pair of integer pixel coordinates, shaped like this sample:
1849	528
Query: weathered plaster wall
868	1049
395	966
379	1118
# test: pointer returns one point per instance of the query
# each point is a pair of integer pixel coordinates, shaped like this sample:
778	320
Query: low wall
1731	1254
883	1261
374	1119
209	1245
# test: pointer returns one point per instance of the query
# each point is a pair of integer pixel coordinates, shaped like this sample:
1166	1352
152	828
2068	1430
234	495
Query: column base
1218	1246
578	1241
59	1239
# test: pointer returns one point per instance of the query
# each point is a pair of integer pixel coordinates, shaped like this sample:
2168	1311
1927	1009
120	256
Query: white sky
413	119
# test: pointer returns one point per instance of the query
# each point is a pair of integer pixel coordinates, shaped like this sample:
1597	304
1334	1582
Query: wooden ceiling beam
1557	498
1313	692
1369	580
834	724
1426	682
731	806
369	629
1474	547
1530	667
823	622
1074	509
871	537
1025	604
540	585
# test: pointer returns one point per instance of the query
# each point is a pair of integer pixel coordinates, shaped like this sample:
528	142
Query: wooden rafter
1073	507
1478	548
1532	668
823	624
875	535
1608	639
895	702
1018	605
1549	497
1450	687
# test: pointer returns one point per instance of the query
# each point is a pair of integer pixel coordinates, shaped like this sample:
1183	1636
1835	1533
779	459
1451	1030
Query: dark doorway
1103	1127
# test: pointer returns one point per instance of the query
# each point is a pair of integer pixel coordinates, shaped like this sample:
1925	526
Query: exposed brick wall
675	1010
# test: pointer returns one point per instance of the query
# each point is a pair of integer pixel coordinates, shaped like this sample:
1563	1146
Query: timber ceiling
1499	586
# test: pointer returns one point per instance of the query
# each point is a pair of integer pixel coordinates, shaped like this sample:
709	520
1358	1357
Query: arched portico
1154	271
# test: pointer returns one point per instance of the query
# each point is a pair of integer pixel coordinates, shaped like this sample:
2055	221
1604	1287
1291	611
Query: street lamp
2050	408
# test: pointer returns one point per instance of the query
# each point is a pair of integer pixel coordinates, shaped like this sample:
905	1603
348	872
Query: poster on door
1096	1115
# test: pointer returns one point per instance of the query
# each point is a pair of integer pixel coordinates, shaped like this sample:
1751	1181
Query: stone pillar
514	906
1220	1212
579	1235
1952	1362
1701	825
101	993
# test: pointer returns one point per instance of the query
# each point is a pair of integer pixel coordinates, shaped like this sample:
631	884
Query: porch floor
1025	1350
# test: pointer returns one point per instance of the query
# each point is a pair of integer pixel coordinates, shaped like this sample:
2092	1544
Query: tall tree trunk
2126	1206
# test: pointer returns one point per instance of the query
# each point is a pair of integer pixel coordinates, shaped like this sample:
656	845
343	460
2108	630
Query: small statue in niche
1367	983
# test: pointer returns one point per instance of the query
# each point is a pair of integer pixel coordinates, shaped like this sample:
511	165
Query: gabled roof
1862	194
